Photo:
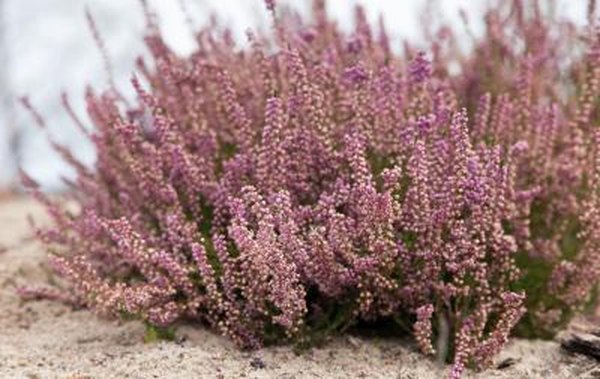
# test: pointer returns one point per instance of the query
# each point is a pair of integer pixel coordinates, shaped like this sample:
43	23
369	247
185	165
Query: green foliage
156	333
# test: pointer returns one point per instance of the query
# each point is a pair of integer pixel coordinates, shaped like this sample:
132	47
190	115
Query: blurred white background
46	47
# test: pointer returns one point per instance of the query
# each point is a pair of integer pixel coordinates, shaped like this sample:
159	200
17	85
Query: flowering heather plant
515	85
317	179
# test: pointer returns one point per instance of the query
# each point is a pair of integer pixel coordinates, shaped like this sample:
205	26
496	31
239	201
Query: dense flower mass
316	179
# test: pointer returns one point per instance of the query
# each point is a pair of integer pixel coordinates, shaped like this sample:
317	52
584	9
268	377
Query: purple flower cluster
258	189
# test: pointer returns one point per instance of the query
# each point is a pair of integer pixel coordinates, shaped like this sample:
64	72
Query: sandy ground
48	340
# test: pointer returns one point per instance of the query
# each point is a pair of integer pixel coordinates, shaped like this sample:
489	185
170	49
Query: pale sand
48	340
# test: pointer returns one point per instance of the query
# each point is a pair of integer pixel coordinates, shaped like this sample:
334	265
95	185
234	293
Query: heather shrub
287	190
534	77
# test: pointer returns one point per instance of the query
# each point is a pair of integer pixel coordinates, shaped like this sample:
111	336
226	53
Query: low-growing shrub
314	179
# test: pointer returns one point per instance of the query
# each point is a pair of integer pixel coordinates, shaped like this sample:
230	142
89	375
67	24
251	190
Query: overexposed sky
48	48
